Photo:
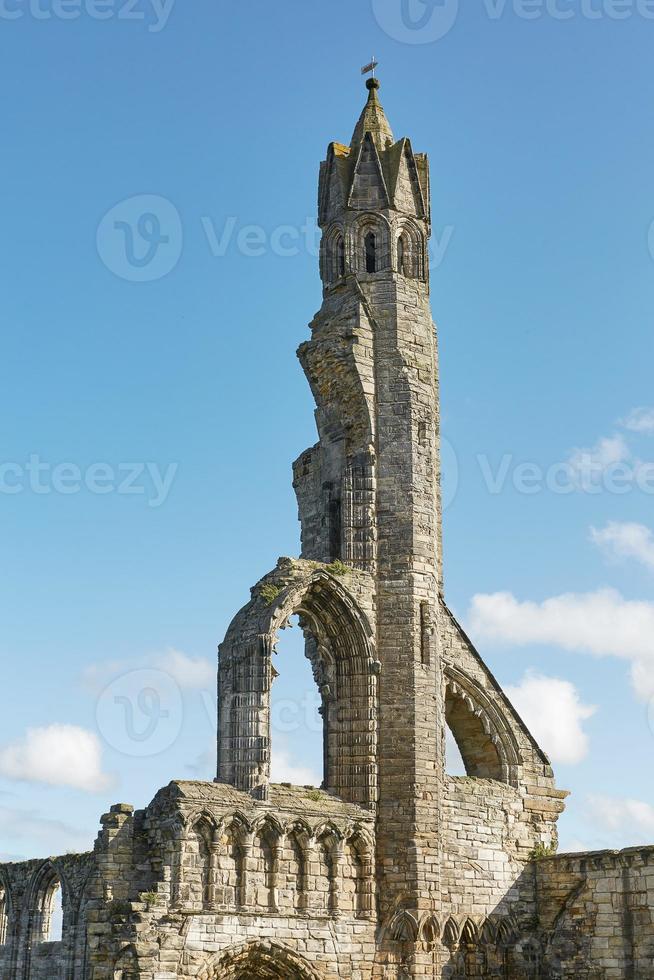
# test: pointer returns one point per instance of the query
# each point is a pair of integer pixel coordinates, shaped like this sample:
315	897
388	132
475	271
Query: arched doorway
256	961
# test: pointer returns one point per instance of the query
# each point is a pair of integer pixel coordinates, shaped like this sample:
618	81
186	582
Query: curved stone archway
340	647
258	961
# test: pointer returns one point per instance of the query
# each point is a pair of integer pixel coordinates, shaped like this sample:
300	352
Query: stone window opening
410	253
333	256
401	256
299	753
340	256
339	647
476	748
4	914
371	252
48	911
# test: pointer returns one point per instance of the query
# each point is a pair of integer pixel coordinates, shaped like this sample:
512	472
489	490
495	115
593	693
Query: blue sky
174	406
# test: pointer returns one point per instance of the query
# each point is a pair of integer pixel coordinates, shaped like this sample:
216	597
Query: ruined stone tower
393	869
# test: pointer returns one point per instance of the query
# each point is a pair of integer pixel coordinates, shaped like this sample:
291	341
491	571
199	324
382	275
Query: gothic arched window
371	252
47	911
340	256
410	252
401	256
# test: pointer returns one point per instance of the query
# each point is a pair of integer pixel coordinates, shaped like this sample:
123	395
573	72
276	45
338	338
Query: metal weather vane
367	69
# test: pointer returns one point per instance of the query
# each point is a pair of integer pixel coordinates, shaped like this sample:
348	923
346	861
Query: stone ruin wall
596	914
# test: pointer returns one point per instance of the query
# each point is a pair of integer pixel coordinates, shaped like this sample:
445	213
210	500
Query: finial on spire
372	119
370	67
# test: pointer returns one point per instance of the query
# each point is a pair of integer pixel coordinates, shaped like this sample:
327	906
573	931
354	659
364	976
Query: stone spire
373	120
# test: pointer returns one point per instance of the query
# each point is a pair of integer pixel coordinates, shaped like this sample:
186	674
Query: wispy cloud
588	464
193	673
57	755
601	623
189	673
25	829
620	821
640	420
554	712
625	540
285	768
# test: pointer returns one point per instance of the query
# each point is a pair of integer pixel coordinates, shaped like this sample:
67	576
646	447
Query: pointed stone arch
267	960
359	872
368	224
333	254
126	964
344	666
403	927
198	861
294	873
410	250
46	881
485	739
233	837
451	933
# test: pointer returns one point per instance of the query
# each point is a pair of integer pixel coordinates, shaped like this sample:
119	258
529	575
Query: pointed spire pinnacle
373	120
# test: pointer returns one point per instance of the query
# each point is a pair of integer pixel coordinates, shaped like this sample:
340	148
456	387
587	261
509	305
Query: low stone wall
596	914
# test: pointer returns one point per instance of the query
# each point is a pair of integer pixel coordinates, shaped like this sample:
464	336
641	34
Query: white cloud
286	769
601	623
58	755
554	712
590	464
640	420
623	540
193	673
189	673
625	818
29	829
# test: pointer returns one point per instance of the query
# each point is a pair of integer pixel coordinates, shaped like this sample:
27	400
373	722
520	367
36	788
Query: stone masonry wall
596	914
